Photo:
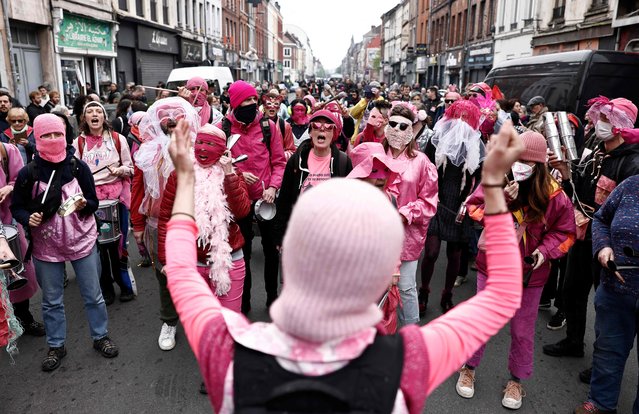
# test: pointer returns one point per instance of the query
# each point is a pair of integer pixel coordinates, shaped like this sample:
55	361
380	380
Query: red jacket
137	195
238	202
553	236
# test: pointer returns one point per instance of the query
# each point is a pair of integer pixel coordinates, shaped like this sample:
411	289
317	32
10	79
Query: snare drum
15	263
108	221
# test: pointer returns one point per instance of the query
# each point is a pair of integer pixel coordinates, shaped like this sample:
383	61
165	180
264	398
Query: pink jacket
14	165
416	193
553	236
267	165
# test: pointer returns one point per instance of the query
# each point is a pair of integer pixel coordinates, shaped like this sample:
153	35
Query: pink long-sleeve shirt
450	340
416	193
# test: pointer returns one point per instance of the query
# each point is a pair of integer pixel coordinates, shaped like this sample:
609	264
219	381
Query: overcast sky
330	24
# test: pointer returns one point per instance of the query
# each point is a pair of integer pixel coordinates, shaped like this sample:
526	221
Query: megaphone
14	280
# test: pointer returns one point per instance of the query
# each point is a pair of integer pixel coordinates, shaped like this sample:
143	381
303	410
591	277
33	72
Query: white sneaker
166	341
466	383
460	280
513	395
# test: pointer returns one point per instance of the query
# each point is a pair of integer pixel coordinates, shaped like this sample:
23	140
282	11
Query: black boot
447	302
422	300
565	347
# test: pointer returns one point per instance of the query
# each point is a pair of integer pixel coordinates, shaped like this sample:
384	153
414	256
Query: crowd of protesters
399	169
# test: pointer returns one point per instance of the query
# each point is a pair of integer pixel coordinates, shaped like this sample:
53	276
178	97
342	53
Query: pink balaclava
210	144
50	149
199	92
299	114
337	288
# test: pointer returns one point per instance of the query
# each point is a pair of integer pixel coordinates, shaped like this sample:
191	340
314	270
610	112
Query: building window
627	8
202	17
154	10
165	11
287	51
559	10
287	63
473	16
481	19
123	5
139	8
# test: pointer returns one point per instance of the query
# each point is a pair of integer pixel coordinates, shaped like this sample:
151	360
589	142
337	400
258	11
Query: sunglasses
402	126
18	121
321	126
449	100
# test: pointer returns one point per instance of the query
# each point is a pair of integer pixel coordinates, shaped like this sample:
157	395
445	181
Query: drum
264	211
8	262
108	221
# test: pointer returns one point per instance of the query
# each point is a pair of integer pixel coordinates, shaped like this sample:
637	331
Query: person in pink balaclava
342	244
58	239
196	92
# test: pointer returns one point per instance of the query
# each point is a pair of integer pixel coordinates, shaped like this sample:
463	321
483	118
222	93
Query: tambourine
264	211
70	205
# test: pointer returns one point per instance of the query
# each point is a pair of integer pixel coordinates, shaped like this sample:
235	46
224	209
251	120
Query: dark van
568	80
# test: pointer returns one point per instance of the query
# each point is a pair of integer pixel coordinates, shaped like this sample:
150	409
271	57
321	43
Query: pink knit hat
197	82
364	155
46	124
239	91
330	291
536	147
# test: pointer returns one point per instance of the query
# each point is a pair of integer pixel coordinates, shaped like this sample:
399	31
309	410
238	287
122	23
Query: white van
215	76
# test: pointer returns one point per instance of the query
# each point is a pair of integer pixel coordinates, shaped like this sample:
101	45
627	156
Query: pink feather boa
212	216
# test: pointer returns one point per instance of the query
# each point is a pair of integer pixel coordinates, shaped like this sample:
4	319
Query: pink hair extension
466	111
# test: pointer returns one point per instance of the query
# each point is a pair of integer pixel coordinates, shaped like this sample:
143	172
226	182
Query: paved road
144	379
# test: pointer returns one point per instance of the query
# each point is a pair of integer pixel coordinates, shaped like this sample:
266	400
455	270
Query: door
27	61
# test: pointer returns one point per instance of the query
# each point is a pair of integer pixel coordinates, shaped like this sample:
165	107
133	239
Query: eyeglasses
449	100
402	126
321	126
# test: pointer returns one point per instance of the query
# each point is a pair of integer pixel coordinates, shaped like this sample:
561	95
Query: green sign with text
82	33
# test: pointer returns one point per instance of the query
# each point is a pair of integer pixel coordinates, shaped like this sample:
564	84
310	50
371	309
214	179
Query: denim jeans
616	322
409	311
51	279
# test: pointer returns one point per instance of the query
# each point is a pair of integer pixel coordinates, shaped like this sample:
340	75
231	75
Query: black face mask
246	114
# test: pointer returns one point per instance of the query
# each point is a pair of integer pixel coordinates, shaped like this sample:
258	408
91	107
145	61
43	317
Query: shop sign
421	64
191	52
158	41
421	48
82	33
453	59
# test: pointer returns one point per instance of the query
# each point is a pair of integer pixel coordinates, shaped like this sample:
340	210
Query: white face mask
603	130
521	171
397	138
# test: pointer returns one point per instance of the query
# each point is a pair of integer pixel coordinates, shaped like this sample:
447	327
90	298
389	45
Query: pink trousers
233	298
522	332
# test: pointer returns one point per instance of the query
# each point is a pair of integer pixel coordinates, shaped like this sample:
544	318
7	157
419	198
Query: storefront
158	52
479	61
190	52
86	56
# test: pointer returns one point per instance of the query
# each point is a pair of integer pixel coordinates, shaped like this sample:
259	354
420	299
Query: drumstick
102	169
160	89
46	191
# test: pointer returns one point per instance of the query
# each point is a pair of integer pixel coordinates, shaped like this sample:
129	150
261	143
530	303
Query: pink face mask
52	149
208	149
299	115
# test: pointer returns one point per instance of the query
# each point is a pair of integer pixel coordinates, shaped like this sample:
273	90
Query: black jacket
22	200
34	110
294	175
